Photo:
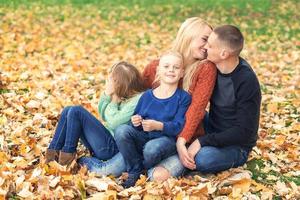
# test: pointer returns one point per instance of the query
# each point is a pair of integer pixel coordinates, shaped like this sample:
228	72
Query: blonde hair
188	31
167	53
128	80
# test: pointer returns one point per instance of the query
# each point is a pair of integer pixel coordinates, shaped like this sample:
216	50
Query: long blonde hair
188	31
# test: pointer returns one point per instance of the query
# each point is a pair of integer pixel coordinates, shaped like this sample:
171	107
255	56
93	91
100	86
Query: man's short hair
231	36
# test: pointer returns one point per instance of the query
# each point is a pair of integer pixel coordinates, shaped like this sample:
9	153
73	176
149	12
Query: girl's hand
136	120
151	125
184	156
109	86
194	148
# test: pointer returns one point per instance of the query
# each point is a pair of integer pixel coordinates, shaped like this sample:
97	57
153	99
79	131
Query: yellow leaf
151	197
240	188
272	107
108	195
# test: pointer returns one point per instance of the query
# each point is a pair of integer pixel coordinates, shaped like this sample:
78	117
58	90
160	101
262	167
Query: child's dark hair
127	79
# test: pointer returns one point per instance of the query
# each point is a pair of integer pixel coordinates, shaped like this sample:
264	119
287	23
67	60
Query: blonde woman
199	80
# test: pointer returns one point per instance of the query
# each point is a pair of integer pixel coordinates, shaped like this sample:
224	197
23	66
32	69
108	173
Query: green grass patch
263	17
3	91
257	5
255	166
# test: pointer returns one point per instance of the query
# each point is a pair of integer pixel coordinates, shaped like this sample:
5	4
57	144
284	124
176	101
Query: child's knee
122	132
160	174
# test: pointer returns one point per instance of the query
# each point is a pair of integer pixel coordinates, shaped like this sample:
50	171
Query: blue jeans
77	123
153	153
114	166
139	150
209	159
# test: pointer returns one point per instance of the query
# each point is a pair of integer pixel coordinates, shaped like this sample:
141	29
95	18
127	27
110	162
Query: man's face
214	48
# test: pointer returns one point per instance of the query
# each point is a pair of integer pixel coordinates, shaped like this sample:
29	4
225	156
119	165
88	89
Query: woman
198	80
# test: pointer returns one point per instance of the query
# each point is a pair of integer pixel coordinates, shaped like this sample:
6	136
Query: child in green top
117	103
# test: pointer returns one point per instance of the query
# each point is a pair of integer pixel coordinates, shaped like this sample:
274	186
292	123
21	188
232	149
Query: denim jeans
153	153
114	166
139	150
209	159
77	123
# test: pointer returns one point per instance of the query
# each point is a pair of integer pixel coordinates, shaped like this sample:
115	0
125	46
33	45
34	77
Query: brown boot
51	155
66	158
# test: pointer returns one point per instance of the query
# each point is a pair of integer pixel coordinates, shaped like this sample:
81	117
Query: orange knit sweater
201	90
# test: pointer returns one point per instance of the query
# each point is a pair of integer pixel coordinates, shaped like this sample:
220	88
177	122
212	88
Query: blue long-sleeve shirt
170	111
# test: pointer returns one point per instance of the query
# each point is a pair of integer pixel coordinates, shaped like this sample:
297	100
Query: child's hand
151	125
136	120
109	86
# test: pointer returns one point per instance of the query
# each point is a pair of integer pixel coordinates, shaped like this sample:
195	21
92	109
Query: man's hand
194	148
152	125
136	120
184	156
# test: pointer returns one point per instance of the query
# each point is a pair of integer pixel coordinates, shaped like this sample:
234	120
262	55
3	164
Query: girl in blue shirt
159	113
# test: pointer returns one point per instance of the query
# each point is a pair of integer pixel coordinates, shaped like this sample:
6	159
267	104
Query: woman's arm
200	97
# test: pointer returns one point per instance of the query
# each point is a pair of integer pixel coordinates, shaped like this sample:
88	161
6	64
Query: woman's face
197	45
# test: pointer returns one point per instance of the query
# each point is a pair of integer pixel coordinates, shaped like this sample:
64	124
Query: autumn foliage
54	56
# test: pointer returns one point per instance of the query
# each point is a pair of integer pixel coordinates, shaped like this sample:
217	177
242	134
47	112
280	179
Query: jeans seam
104	149
60	134
216	166
242	155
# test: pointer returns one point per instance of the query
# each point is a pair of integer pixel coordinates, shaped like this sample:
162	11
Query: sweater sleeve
103	103
149	73
200	97
116	115
248	109
173	128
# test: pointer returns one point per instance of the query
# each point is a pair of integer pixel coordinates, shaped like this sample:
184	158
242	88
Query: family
156	122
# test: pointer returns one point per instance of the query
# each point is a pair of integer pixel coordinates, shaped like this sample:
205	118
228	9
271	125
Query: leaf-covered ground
56	54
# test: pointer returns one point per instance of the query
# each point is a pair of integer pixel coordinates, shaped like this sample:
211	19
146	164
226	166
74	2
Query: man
232	122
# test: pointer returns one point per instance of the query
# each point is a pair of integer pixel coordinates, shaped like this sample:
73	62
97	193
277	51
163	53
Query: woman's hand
194	148
109	86
152	125
184	156
136	120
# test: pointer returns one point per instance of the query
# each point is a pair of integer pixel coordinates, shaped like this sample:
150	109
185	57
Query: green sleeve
116	115
103	103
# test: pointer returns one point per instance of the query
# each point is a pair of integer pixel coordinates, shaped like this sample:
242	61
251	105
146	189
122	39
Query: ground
56	53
